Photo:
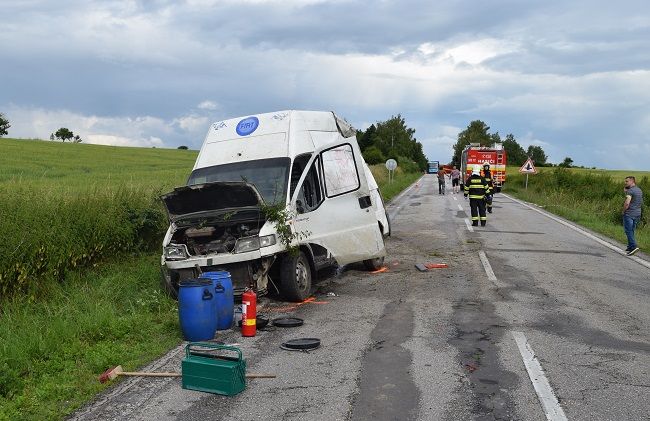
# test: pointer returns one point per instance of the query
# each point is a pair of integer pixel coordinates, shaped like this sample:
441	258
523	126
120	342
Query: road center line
469	227
486	265
460	207
550	404
581	231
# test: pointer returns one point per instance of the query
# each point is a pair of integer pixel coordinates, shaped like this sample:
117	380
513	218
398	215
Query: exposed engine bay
217	237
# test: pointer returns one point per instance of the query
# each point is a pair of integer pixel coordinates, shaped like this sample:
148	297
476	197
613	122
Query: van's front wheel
374	264
295	277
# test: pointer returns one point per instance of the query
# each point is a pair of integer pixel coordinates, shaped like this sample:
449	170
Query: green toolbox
213	368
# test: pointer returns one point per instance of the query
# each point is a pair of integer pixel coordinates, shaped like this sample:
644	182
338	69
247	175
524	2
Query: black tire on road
374	264
295	277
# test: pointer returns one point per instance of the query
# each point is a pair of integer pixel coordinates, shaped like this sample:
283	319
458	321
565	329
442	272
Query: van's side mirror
299	207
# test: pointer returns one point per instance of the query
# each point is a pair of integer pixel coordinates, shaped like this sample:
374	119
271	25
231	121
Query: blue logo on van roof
247	126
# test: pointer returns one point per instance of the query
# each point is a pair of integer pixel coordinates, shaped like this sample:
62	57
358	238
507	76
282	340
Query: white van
307	163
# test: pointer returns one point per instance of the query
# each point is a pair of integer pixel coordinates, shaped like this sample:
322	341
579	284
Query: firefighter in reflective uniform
476	188
487	174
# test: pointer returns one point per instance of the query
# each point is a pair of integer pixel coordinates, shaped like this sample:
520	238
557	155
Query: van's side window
298	167
310	195
340	170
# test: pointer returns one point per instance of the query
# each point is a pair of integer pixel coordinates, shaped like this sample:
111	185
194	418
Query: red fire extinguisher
248	313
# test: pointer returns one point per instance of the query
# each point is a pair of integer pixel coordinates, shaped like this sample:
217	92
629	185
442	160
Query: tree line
392	139
478	132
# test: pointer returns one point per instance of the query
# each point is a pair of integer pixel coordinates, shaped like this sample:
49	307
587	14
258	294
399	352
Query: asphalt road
532	320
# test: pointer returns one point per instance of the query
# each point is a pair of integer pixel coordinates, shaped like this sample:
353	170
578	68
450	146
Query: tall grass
591	198
68	205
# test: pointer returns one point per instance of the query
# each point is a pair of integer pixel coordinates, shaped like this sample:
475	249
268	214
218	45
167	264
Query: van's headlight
247	244
254	243
267	240
176	252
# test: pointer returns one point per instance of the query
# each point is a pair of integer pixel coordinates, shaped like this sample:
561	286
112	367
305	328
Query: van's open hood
214	198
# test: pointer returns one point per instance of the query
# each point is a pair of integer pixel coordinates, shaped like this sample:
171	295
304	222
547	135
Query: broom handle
163	374
147	374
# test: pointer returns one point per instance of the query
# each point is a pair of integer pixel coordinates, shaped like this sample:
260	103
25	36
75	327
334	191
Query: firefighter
476	188
487	174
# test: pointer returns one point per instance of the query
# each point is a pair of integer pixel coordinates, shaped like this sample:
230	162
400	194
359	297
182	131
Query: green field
591	198
79	277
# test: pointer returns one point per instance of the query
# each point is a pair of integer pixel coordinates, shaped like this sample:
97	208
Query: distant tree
515	154
393	138
536	153
77	139
567	163
182	147
4	125
63	134
366	139
52	136
476	132
373	155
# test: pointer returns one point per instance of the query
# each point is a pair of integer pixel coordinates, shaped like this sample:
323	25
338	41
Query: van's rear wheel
295	277
374	264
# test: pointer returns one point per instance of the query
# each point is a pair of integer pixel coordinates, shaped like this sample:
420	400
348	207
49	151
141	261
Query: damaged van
272	199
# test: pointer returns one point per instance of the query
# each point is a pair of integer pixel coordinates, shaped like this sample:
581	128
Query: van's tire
295	277
168	286
374	264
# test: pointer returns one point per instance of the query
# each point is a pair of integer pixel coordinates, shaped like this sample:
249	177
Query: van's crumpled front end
218	226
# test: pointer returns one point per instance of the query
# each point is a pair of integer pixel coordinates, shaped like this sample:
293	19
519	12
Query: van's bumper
246	269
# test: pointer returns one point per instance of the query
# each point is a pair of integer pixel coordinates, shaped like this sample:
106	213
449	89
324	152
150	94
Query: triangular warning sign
528	167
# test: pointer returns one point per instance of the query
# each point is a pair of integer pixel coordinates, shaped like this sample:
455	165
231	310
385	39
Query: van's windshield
269	176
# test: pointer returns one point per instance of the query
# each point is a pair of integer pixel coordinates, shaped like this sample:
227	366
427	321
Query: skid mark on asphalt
385	391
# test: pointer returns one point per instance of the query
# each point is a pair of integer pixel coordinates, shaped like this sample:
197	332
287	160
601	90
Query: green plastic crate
207	368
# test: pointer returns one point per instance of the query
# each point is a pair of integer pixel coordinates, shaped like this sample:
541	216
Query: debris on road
381	270
301	344
288	322
423	267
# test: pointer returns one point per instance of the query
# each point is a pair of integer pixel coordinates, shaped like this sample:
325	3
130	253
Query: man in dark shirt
631	213
441	181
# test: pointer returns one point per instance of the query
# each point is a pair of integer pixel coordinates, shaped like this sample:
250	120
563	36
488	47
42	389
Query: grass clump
52	351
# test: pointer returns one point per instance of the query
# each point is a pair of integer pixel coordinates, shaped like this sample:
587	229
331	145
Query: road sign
528	167
391	164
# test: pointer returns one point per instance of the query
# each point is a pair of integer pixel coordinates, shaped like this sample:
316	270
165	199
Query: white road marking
581	231
486	265
550	404
460	207
455	198
469	227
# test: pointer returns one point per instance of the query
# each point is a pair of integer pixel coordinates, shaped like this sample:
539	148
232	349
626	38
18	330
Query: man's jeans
630	223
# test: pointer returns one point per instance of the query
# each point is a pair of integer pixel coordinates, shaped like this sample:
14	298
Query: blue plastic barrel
196	310
224	297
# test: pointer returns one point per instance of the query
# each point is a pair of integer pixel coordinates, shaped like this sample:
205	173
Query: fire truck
495	155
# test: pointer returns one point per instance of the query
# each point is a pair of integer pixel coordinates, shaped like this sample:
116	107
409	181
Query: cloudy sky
573	77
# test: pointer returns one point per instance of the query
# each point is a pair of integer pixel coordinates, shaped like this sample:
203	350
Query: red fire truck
474	154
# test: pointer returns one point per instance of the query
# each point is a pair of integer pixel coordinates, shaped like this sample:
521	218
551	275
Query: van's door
334	208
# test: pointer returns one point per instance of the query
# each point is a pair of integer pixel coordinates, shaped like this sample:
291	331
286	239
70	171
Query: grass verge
401	181
591	199
52	350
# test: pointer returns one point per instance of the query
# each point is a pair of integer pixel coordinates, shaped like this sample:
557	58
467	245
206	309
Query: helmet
476	170
486	165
